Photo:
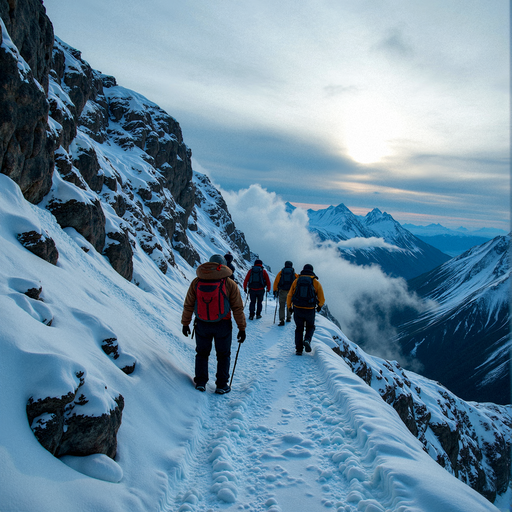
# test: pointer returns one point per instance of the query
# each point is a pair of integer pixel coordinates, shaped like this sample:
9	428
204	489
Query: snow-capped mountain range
453	241
374	239
463	340
102	224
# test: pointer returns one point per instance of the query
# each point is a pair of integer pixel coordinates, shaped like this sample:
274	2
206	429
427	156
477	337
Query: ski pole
234	366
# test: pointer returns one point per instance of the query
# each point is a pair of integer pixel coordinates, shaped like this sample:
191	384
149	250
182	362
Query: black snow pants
206	333
304	319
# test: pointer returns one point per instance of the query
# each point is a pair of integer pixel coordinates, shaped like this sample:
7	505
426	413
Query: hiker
282	284
212	297
256	280
305	295
229	263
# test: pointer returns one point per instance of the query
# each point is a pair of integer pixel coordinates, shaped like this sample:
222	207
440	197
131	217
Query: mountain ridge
100	246
470	316
404	255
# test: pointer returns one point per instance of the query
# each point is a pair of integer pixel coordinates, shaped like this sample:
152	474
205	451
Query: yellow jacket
318	289
277	279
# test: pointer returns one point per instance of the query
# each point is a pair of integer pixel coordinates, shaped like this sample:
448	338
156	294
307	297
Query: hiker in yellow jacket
305	296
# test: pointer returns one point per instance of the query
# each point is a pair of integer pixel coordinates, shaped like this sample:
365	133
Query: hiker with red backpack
256	280
282	285
305	295
213	297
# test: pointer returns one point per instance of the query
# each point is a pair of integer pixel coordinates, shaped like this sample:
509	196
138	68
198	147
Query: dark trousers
206	333
283	309
256	303
304	319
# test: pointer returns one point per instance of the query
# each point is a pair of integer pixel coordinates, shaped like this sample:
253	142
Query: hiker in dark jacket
256	280
282	284
220	330
305	295
229	263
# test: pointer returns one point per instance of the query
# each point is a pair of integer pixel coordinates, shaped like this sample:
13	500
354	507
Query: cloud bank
363	243
363	299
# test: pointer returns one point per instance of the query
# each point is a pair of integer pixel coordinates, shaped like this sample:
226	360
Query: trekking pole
246	297
266	296
275	312
234	366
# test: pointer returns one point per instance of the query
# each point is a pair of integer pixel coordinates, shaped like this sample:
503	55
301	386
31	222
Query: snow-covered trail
278	441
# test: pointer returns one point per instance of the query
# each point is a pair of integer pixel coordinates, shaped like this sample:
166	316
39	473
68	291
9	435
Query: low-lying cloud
363	243
363	299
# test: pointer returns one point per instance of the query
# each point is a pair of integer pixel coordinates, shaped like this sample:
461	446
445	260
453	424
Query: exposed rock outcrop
62	429
41	245
26	152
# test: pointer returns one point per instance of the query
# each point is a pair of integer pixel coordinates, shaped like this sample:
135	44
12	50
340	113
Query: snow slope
464	339
296	433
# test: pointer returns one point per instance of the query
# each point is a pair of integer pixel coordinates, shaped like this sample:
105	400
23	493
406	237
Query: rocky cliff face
108	164
104	160
26	153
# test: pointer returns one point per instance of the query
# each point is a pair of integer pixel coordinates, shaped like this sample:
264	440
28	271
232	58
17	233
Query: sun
369	130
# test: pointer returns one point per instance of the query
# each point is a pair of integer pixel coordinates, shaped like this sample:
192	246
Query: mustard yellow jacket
318	289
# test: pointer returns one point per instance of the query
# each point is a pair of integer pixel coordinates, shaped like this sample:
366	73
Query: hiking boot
258	316
251	317
200	387
223	390
307	345
288	319
298	353
281	323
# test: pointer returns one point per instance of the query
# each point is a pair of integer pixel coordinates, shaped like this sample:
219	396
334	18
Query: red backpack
212	303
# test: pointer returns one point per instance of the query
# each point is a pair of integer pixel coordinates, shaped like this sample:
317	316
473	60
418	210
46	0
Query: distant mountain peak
289	207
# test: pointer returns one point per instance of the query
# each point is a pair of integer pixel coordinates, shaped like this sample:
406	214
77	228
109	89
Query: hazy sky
397	104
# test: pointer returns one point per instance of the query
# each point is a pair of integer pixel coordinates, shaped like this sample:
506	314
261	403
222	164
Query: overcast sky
396	104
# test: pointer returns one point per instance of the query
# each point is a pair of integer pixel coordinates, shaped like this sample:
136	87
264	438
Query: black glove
276	294
241	336
318	308
290	310
185	330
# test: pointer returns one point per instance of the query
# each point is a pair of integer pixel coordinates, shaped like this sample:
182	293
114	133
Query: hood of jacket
213	271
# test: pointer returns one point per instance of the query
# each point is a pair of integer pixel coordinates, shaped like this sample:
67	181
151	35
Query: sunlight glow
370	129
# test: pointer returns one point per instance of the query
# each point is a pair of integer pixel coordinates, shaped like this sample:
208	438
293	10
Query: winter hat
228	257
288	264
217	258
258	262
309	267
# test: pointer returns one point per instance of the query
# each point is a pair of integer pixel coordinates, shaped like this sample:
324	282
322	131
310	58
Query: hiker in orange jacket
219	328
256	280
306	294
